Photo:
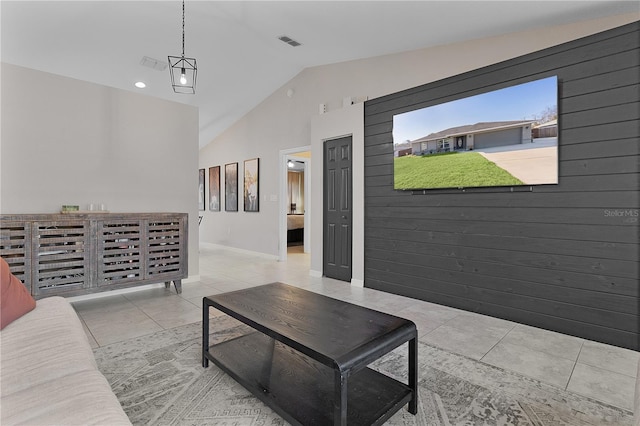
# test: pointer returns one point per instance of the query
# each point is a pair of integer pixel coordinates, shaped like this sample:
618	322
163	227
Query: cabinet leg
167	285
178	285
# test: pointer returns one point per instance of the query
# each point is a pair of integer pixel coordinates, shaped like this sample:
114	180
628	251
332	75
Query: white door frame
286	155
333	124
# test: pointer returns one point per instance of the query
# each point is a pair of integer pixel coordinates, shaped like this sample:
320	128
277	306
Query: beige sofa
48	374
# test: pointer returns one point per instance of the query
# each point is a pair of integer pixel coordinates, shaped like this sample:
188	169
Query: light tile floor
603	372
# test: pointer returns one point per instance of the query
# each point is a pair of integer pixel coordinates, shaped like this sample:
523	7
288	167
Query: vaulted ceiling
241	61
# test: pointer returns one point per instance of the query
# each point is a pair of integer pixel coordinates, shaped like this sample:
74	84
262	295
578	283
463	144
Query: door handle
344	217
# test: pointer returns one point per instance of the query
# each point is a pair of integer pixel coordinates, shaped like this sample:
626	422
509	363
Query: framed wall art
201	202
214	189
231	187
251	188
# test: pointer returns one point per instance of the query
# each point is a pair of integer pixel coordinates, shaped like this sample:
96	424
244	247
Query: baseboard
191	279
238	250
119	291
315	274
357	283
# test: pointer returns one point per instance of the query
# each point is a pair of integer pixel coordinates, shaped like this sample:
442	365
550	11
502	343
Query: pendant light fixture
183	70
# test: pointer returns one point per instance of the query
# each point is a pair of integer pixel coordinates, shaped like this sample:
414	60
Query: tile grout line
498	342
575	363
87	328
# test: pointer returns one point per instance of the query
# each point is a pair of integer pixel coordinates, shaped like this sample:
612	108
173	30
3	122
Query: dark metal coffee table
307	358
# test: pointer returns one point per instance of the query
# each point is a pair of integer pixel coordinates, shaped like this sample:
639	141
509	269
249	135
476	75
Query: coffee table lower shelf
301	389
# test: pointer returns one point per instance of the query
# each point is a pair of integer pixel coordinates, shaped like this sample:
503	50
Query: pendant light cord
183	29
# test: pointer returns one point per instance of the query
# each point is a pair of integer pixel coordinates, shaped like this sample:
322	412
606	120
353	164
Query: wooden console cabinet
80	253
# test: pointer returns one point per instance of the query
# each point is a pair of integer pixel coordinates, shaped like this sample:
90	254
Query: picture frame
214	189
231	187
201	201
251	185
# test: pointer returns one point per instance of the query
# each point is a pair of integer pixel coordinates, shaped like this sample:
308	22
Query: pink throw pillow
15	300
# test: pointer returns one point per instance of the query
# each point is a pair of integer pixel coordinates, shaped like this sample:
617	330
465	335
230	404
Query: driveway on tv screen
533	163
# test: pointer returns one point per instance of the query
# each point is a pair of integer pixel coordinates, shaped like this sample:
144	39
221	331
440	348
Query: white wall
66	141
281	122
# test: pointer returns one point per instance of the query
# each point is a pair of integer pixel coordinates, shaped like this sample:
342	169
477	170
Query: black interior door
337	220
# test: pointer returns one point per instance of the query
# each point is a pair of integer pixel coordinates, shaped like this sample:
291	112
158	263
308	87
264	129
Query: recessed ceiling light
140	85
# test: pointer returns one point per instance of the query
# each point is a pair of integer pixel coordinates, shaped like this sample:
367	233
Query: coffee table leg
413	375
205	332
340	399
265	375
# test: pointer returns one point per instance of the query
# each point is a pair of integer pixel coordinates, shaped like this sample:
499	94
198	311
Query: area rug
159	380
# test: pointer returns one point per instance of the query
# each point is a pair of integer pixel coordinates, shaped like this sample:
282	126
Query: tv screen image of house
506	137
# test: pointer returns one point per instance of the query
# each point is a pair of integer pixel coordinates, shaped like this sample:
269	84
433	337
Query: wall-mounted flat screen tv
506	137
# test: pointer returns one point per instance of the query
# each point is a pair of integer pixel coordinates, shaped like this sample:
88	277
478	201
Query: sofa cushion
15	300
44	345
83	398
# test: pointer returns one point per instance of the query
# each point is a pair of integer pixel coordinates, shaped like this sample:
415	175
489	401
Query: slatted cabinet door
15	240
120	257
62	257
166	248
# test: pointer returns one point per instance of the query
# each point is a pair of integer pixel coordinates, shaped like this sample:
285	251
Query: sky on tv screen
524	101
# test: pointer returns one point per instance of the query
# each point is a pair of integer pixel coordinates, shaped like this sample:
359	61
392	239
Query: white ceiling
240	59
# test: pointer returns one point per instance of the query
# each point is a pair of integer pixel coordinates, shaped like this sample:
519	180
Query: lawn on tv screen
449	170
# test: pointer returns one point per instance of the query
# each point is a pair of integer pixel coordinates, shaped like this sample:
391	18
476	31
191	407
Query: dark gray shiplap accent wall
561	257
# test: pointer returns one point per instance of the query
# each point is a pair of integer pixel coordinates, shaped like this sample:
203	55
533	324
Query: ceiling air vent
156	64
289	41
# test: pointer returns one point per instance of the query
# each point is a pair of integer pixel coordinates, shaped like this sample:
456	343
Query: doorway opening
295	199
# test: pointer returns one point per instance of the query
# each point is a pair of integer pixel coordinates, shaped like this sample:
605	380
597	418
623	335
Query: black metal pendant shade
183	74
183	70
